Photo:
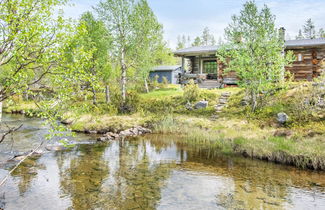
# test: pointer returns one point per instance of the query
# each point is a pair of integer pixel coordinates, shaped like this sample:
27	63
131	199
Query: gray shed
170	72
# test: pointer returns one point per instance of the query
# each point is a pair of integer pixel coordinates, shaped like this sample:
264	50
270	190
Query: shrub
191	92
131	104
165	81
155	105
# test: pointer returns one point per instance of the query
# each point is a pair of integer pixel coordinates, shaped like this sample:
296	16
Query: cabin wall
306	69
310	65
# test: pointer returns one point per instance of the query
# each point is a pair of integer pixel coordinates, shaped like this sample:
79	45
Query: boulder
282	118
135	131
201	105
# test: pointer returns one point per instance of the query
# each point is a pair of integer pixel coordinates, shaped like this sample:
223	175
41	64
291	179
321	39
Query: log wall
310	65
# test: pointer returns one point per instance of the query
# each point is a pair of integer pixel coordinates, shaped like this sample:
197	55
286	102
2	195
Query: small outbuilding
171	73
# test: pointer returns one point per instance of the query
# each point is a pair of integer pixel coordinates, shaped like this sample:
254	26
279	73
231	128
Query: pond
151	172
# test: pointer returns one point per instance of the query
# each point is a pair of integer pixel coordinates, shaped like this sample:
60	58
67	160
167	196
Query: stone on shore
135	131
282	118
201	105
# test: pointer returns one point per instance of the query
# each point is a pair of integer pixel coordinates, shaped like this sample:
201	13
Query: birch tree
93	38
29	38
132	25
255	52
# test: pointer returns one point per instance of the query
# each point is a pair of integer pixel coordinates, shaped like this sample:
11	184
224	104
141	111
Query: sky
190	17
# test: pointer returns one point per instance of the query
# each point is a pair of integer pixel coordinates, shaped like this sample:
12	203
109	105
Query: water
152	172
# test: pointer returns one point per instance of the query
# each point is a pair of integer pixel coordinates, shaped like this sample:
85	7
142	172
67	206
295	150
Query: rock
226	94
282	118
189	106
223	101
135	131
55	148
244	103
105	138
67	121
283	133
22	155
201	105
219	107
90	132
19	158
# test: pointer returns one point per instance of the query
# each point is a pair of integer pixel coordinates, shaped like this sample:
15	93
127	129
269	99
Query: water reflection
159	172
26	173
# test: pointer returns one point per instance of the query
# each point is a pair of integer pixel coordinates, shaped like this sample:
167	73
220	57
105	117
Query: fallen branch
20	162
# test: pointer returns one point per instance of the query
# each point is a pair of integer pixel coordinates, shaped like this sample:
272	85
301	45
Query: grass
236	130
106	123
234	136
15	106
170	91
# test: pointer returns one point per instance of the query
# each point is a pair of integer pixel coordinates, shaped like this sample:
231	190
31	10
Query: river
151	172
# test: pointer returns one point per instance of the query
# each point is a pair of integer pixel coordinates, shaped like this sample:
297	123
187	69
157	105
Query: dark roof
289	44
305	43
198	49
166	68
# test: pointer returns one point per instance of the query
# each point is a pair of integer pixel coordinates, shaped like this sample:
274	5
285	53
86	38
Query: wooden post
183	64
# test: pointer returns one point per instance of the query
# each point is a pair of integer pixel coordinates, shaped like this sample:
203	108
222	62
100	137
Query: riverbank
234	130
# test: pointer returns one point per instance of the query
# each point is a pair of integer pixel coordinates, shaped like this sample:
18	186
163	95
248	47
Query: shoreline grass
233	132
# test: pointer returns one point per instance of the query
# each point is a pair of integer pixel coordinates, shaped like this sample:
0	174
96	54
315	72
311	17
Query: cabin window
210	67
300	57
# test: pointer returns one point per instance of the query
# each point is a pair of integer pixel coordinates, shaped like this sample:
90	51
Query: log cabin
202	61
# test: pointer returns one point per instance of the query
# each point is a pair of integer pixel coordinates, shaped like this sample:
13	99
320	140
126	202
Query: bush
191	92
131	104
164	105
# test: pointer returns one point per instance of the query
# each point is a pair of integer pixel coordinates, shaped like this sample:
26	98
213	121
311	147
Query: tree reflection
138	180
27	171
84	176
122	178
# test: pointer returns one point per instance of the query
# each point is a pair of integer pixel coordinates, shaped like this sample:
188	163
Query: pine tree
197	42
300	36
321	33
309	30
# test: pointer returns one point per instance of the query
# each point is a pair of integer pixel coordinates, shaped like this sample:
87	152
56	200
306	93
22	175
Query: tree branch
11	130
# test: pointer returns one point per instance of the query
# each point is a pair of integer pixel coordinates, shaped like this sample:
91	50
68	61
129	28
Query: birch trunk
107	94
146	85
123	78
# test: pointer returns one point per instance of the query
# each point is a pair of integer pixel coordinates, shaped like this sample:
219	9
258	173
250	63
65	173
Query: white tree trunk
107	94
123	77
146	85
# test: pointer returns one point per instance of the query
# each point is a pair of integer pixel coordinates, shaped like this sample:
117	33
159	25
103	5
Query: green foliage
160	105
197	42
31	38
182	42
191	92
207	38
165	81
255	52
137	37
